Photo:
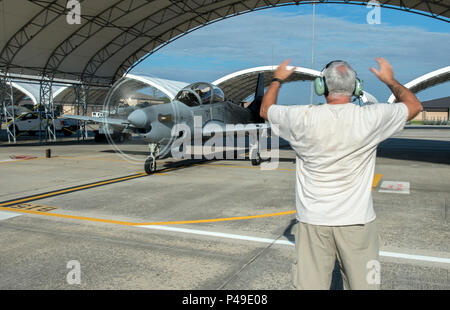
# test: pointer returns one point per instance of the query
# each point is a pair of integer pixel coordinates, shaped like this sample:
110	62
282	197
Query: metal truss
46	109
187	26
81	98
7	99
157	20
138	30
25	34
90	27
174	19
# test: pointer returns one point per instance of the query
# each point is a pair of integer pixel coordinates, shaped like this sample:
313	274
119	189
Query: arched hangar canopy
62	94
239	85
113	35
427	80
68	96
169	88
24	89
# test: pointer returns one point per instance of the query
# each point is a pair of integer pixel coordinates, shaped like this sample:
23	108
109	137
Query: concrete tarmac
50	219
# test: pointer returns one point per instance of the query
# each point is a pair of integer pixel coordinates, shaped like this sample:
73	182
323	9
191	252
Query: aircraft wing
215	127
103	120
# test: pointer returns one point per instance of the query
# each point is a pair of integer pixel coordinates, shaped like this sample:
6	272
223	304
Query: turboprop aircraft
198	102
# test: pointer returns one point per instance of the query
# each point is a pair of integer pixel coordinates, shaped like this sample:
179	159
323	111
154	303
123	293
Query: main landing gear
255	156
150	162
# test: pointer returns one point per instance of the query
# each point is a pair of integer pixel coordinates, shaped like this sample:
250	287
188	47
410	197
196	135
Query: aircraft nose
139	119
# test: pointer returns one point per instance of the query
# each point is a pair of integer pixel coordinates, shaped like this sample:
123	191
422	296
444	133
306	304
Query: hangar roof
427	80
439	103
239	85
32	90
168	87
114	35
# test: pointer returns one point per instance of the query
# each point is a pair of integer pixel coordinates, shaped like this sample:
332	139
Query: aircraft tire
149	166
256	162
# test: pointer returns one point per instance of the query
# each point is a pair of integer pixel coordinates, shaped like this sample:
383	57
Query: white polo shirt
336	149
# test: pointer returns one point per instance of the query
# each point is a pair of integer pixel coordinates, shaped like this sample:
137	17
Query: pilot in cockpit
204	92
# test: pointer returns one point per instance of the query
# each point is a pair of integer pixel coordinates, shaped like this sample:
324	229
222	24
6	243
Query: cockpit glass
200	93
219	96
204	91
187	97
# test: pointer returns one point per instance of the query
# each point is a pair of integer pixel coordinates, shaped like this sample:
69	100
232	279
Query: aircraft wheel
256	161
150	165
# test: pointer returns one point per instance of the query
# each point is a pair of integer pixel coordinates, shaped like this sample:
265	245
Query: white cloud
268	38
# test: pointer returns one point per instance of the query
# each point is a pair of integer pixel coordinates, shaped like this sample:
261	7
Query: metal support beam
8	112
81	98
46	109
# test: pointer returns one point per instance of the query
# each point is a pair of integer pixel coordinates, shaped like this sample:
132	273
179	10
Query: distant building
436	109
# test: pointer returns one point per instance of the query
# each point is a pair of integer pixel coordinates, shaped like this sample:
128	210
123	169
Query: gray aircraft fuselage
157	121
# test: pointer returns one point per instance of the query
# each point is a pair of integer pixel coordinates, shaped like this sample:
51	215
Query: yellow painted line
73	189
12	209
92	219
73	217
376	180
238	218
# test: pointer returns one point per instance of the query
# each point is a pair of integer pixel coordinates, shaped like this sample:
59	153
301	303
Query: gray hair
340	79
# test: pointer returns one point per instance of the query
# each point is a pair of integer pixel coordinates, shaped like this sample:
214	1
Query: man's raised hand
282	72
385	74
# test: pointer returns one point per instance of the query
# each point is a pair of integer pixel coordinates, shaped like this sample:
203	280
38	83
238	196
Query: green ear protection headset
321	88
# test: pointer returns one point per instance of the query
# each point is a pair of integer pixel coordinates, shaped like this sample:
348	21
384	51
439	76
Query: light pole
312	49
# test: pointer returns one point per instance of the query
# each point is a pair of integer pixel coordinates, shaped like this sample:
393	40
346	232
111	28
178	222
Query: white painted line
8	160
287	242
7	215
394	187
416	257
217	234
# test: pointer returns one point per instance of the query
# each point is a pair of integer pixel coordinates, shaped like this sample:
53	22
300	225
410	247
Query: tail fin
255	106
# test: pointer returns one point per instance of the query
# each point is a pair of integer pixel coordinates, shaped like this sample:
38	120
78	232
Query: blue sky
414	45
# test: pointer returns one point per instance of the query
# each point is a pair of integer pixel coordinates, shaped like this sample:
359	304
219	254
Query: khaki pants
316	250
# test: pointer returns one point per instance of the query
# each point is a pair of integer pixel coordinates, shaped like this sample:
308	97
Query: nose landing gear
150	162
255	156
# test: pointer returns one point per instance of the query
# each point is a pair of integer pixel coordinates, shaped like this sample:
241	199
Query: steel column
7	100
